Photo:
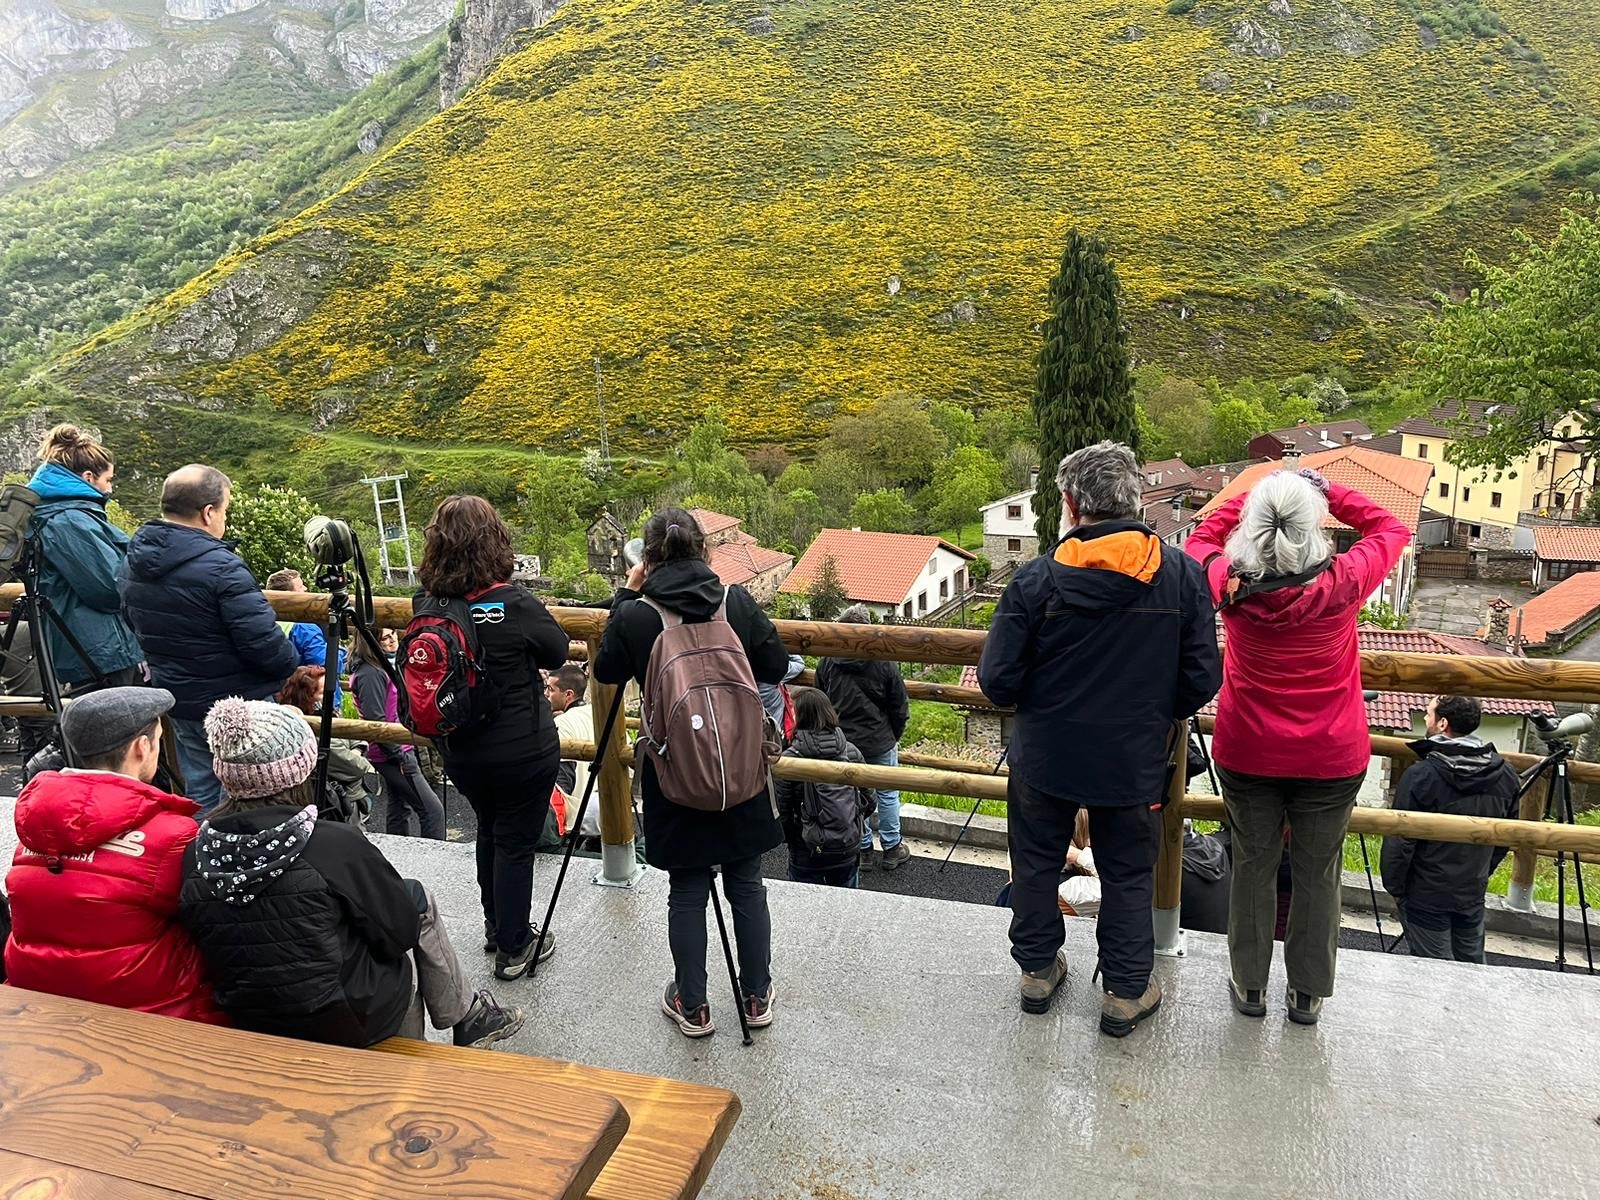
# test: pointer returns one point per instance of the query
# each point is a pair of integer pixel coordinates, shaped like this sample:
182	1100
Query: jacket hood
1204	855
238	857
1105	565
687	586
53	482
1469	759
72	812
159	548
820	743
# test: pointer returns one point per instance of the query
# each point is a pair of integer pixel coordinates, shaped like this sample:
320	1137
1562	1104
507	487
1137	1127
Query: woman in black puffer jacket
687	843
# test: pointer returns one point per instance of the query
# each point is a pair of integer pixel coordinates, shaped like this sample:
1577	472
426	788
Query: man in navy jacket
205	627
1101	644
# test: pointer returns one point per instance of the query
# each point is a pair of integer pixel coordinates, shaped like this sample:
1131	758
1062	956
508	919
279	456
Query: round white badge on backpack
697	722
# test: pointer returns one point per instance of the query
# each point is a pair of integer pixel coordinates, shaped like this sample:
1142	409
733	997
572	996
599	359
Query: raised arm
1359	571
1206	544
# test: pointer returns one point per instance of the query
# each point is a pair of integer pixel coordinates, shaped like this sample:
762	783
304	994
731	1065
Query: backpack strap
722	609
669	619
1246	587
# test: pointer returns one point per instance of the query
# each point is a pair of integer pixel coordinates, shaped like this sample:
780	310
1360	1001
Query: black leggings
688	892
407	790
510	800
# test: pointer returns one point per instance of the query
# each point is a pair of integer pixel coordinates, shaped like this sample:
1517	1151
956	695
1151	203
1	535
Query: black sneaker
758	1009
486	1022
515	966
696	1024
895	855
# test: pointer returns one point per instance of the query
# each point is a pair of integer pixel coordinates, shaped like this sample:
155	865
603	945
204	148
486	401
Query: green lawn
968	537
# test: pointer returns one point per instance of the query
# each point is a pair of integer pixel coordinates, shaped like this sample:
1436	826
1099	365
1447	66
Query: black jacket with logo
1465	777
870	697
318	951
1100	645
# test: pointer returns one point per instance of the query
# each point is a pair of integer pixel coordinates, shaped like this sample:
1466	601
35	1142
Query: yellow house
1554	479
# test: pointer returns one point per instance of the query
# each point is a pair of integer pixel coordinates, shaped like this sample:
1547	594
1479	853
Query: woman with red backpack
688	836
505	758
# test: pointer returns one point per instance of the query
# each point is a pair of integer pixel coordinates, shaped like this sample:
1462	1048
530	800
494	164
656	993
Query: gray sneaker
1251	1002
1039	987
1304	1008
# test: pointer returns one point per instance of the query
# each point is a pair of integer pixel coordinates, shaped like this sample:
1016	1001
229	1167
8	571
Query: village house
738	558
1561	551
900	575
1308	437
1494	508
1550	622
1009	534
1397	484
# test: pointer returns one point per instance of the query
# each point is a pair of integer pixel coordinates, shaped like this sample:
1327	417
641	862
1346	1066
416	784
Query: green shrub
1179	8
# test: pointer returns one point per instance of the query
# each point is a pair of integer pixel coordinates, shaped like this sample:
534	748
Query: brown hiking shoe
1038	987
1119	1016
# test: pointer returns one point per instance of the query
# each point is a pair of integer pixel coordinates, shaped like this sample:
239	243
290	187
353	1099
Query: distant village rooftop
1398	484
907	572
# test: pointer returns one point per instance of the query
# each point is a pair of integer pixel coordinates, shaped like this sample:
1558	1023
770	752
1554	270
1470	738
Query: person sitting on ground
822	822
81	551
309	640
1291	744
870	697
352	780
1207	878
206	629
406	788
95	879
308	930
1439	886
688	843
1102	644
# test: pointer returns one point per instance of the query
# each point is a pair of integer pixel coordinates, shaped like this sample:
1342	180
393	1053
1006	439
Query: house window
1561	500
1543	458
905	609
1444	490
1475	531
944	589
1013	512
1466	494
933	565
1422	449
922	603
1014	545
1494	499
961	581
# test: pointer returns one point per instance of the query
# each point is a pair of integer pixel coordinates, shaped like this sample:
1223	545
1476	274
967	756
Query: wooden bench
675	1130
98	1101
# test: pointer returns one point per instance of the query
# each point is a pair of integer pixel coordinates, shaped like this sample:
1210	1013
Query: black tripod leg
976	804
727	954
1570	817
1372	891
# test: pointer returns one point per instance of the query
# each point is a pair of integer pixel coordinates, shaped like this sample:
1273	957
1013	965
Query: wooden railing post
619	865
1168	915
1525	859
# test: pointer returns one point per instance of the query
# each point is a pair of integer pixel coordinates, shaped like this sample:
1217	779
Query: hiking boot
758	1009
1118	1016
1250	1002
515	966
1304	1008
696	1024
1038	987
486	1022
895	855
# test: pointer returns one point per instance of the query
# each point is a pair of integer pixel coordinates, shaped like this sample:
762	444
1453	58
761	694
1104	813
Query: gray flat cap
110	719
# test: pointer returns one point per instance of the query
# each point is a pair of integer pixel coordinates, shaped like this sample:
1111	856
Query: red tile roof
1163	523
712	522
742	559
1397	484
1567	543
1569	603
1213	478
1395	711
878	568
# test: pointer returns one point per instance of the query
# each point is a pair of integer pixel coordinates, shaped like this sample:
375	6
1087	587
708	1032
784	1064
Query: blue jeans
888	807
194	756
847	876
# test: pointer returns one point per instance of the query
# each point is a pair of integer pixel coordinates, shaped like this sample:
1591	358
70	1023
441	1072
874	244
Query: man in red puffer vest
99	862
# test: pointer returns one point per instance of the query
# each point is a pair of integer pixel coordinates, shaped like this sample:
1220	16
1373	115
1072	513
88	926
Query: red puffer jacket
94	895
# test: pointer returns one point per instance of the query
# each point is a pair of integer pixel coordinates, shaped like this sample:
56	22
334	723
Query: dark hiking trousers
408	792
1452	934
1125	840
1317	813
687	896
510	801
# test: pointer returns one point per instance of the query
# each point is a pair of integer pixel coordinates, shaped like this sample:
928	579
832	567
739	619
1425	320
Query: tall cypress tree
1083	393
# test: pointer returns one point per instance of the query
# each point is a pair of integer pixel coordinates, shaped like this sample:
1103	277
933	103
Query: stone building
605	539
738	558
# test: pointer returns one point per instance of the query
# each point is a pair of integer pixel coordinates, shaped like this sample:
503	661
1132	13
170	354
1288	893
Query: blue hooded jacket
206	628
82	551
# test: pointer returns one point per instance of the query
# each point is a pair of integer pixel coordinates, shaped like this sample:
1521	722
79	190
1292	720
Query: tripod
998	763
1558	806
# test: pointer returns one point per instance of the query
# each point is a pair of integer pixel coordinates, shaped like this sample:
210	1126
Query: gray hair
1102	481
190	490
856	614
1280	528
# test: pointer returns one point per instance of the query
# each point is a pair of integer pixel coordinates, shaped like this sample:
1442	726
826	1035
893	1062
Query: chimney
1349	436
1291	457
1177	505
1033	477
1499	633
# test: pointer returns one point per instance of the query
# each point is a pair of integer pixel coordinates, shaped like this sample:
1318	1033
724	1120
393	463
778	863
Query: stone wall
986	730
764	587
1505	565
994	549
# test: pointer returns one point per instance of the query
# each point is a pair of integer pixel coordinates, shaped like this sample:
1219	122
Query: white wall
997	524
942	568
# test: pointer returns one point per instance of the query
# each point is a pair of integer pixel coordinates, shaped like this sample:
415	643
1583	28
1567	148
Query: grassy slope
178	189
717	212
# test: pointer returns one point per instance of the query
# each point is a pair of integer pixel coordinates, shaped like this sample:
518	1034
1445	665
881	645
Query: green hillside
788	209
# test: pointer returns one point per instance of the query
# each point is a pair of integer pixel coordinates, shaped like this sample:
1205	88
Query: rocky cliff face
481	35
70	77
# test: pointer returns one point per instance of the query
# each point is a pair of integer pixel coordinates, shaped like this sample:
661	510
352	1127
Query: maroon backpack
446	687
702	722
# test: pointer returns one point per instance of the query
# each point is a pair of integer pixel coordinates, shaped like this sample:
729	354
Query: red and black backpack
447	687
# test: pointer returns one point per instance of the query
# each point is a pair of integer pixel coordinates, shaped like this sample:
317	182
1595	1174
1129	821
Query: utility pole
391	533
600	403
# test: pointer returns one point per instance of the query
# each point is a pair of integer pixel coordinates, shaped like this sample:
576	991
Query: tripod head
1558	737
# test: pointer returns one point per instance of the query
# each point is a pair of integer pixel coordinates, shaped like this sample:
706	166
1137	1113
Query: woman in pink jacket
1291	740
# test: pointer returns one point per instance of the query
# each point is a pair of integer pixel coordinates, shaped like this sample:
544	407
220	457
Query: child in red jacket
94	883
